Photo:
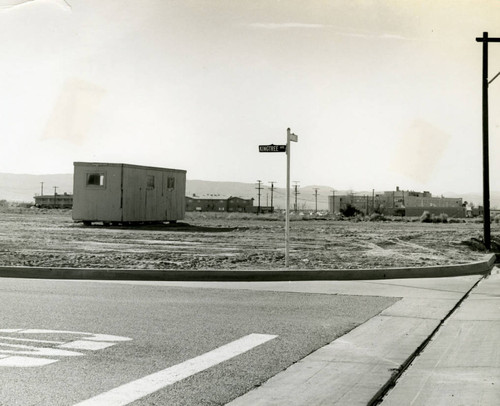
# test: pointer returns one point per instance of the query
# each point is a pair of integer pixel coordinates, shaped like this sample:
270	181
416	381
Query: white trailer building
123	194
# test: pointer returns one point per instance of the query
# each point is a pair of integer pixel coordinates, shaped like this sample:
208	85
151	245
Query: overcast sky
380	93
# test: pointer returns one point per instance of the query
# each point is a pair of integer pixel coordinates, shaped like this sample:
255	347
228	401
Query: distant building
55	201
124	193
219	204
399	203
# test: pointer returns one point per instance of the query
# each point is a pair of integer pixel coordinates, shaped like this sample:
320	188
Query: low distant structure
399	203
219	203
55	201
114	193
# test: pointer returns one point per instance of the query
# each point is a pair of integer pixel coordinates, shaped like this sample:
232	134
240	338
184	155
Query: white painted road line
15	352
125	394
86	336
24	362
31	340
87	345
18	349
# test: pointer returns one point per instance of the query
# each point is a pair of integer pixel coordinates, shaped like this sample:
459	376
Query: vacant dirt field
33	237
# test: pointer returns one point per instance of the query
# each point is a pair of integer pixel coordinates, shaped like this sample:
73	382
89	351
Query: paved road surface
89	338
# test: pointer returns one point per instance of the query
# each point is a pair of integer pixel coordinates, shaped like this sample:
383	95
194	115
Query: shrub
426	217
350	211
443	218
377	217
497	219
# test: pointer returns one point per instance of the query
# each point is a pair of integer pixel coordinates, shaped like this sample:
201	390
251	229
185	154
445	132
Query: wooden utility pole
373	200
486	171
259	188
272	191
296	192
55	195
316	199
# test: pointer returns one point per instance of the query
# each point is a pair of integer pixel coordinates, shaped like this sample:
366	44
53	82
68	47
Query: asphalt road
94	337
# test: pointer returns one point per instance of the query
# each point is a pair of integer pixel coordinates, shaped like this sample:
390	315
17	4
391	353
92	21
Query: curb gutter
234	275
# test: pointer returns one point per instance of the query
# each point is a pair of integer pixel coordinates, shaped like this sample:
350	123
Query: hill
23	187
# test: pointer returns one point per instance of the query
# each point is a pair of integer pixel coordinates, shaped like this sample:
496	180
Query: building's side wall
175	196
200	204
236	204
96	202
412	201
457	212
63	201
153	194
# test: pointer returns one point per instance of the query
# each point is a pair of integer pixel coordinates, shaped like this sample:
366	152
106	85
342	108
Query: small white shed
124	193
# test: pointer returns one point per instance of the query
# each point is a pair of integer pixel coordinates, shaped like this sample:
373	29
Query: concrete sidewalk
459	366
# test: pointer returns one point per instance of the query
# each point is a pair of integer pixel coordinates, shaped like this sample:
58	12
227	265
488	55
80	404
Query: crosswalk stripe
139	388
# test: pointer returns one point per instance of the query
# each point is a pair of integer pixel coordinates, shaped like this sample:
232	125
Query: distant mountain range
23	188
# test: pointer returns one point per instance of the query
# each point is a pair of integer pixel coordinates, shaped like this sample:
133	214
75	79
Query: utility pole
316	199
41	189
295	207
486	171
259	188
333	201
55	195
272	191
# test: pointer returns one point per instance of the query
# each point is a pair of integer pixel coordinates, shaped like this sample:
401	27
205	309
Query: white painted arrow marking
125	394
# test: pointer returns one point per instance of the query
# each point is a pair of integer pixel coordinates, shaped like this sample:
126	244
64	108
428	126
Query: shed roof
104	164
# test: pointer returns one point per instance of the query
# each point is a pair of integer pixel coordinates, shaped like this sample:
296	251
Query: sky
380	93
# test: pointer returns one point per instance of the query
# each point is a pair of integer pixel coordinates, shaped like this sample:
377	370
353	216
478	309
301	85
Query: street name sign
272	148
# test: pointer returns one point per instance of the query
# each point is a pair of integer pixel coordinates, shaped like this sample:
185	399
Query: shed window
170	182
150	182
95	179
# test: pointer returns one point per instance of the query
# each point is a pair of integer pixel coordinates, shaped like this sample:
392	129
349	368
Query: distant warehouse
55	201
220	203
122	193
399	203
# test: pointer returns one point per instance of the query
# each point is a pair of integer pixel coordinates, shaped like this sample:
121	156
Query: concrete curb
441	271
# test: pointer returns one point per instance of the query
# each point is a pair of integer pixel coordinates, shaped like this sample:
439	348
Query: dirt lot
33	237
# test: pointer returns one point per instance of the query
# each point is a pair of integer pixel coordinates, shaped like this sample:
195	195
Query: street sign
272	148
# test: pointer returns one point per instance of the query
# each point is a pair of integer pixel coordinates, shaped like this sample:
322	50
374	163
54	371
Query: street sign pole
284	148
287	216
289	137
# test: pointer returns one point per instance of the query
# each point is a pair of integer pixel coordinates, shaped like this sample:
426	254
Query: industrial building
123	193
55	201
220	204
399	203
